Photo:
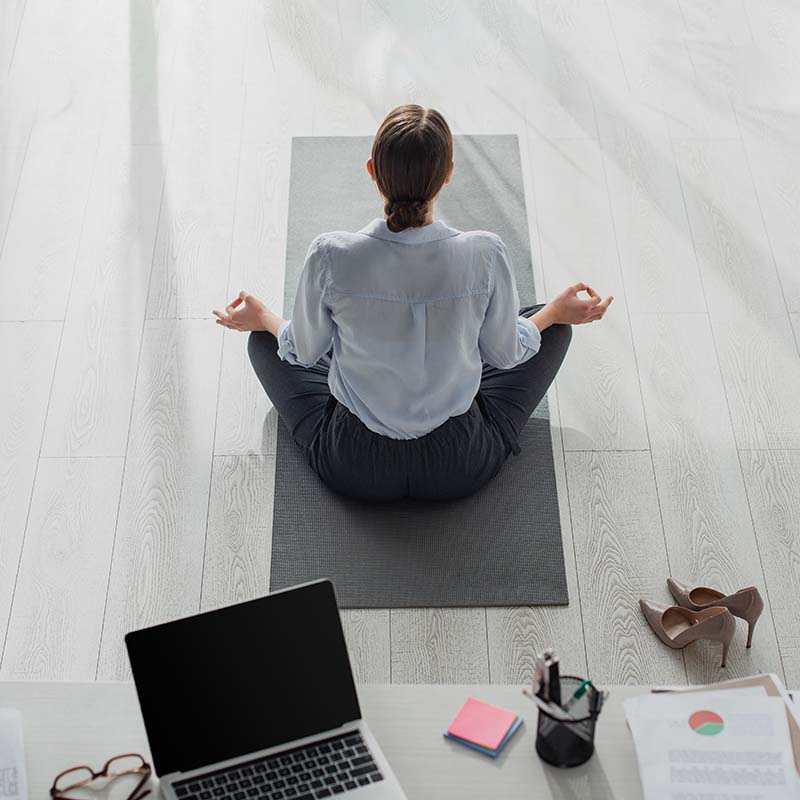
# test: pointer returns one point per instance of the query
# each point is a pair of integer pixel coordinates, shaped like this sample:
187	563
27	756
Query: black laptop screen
232	681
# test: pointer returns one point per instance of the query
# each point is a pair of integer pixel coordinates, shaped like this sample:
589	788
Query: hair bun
404	214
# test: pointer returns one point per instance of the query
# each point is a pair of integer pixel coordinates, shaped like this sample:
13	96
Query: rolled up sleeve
308	335
506	339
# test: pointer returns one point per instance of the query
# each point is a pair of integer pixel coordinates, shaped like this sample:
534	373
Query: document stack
738	740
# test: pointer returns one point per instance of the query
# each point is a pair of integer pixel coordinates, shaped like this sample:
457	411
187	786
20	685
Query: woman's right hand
569	308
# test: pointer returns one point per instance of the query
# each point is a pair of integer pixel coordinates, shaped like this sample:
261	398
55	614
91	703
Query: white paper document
722	745
12	758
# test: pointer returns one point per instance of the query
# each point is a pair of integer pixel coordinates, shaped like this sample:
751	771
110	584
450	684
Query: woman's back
411	316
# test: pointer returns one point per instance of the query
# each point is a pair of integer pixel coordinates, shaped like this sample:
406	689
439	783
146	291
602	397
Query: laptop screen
235	680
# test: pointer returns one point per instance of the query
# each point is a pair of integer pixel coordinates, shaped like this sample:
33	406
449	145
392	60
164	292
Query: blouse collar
427	233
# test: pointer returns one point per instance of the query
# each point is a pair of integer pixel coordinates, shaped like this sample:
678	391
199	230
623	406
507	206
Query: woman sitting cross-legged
407	368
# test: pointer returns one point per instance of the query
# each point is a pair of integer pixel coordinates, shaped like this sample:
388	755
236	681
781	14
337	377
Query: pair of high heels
702	613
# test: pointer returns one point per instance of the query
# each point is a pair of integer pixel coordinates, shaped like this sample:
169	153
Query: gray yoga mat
499	547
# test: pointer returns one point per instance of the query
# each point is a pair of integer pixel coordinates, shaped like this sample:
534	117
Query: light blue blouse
410	317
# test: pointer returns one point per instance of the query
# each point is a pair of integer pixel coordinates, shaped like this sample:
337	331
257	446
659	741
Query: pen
596	701
551	709
540	679
579	692
553	678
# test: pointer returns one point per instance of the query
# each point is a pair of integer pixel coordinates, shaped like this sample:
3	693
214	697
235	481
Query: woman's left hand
248	313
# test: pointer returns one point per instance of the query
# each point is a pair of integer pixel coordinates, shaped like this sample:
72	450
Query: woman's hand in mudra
247	313
570	308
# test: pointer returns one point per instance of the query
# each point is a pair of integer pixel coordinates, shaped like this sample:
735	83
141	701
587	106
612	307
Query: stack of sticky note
483	727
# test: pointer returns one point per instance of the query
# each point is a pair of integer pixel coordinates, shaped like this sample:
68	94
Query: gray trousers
454	460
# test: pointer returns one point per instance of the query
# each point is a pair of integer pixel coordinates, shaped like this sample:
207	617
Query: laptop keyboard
327	768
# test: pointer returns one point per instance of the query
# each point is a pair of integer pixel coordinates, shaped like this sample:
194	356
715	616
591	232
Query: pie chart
706	723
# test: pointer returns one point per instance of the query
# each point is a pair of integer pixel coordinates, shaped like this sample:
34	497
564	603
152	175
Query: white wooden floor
144	174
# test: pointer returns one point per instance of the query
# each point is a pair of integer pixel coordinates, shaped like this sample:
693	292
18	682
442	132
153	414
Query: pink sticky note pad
481	723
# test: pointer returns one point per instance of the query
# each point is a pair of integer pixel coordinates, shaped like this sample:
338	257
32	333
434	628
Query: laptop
257	701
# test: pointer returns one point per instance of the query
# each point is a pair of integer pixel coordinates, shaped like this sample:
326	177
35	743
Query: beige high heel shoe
745	604
677	626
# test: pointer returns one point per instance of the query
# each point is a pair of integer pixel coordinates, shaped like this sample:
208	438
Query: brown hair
411	156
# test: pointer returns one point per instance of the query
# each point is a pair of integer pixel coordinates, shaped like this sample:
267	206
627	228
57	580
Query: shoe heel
751	624
725	646
725	635
752	616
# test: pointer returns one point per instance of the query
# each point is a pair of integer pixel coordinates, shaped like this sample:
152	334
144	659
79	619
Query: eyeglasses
117	767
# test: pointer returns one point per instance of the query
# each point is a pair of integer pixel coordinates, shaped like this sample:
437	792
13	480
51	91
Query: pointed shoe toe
654	614
679	591
651	609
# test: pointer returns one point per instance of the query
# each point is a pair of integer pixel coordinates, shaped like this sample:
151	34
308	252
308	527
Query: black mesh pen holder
565	743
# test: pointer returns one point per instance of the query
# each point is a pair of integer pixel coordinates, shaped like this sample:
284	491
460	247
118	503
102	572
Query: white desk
85	723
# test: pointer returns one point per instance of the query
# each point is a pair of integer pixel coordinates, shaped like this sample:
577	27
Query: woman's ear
369	169
450	172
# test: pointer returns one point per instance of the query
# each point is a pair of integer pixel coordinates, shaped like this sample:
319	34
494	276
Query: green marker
579	692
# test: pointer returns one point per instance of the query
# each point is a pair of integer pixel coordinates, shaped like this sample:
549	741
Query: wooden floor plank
719	39
11	161
598	388
27	357
557	88
709	533
771	22
516	635
11	14
206	79
139	88
19	106
772	144
570	194
655	244
660	72
277	83
57	616
439	645
257	266
733	252
773	489
582	28
93	389
621	557
238	549
44	228
17	119
58	72
247	422
368	641
717	20
193	249
761	373
598	385
775	26
156	573
192	254
258	253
